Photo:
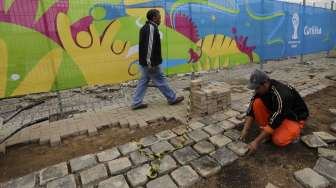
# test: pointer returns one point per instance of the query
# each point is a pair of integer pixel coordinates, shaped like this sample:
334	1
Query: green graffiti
43	7
255	17
7	4
203	2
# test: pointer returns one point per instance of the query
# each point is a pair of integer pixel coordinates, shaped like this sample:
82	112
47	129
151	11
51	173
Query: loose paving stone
128	148
120	165
196	125
27	181
181	141
148	141
83	162
185	176
233	134
206	166
213	129
333	127
67	181
164	181
328	138
204	147
326	168
93	174
198	135
226	125
333	111
220	140
311	179
240	148
236	121
209	121
224	156
138	176
327	153
185	155
108	155
140	157
114	182
165	135
220	116
167	164
162	147
313	141
53	172
231	113
181	130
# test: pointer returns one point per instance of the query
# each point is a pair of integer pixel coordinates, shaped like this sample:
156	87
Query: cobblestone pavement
191	152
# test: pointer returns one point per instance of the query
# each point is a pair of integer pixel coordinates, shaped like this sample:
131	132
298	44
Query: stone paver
114	182
108	155
198	135
327	153
206	166
313	141
185	155
83	162
231	113
236	121
233	134
140	157
213	129
185	176
164	181
209	121
166	135
226	125
326	168
181	130
120	165
311	179
93	174
167	164
196	125
128	148
333	127
269	185
240	148
67	181
53	172
220	116
181	141
220	140
148	141
204	147
27	181
328	138
224	156
138	176
161	147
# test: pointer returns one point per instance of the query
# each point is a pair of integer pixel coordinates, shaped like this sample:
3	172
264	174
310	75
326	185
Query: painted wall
48	45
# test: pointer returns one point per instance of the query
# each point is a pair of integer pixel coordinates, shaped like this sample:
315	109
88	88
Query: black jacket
150	45
284	102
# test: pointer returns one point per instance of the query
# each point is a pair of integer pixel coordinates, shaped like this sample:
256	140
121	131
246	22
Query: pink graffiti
241	43
184	25
23	12
194	57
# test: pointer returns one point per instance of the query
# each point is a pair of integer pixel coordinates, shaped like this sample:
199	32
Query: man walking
150	59
277	108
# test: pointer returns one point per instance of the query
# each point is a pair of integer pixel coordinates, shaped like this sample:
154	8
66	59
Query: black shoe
177	101
140	106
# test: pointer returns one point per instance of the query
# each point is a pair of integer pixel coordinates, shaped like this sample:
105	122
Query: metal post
301	56
262	36
331	8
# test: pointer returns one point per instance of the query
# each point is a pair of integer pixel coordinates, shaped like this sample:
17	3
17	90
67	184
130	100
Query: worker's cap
257	78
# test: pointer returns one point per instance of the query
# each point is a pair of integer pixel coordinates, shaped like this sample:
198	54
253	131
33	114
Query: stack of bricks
209	99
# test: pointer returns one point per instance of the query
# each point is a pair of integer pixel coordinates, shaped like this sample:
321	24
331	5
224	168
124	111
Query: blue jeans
160	82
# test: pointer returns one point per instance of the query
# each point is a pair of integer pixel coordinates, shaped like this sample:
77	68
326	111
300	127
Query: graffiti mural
48	45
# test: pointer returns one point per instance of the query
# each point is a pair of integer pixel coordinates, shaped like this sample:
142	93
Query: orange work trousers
285	134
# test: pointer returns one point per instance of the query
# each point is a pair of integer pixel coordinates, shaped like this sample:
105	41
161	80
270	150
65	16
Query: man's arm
150	45
276	117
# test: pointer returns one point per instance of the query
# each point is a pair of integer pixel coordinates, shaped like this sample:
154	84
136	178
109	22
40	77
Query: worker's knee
279	140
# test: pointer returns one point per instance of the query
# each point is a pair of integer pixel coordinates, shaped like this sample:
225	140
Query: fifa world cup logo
296	22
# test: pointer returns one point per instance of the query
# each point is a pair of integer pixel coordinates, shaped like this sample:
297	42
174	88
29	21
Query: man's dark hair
152	13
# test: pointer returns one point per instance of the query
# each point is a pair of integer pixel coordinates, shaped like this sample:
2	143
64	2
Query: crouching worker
277	108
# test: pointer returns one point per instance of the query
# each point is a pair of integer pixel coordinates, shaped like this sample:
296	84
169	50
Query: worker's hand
253	146
243	135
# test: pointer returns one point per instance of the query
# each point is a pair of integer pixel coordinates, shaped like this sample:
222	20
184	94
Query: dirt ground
269	164
22	160
277	165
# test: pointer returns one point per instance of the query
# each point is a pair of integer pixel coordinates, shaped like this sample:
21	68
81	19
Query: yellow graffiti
101	60
3	68
133	2
42	77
